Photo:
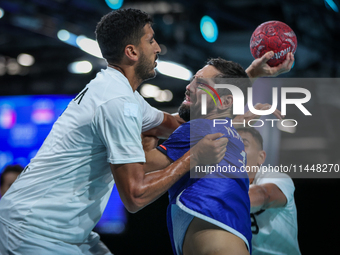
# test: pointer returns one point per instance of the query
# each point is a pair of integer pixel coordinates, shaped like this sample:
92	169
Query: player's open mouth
187	99
156	58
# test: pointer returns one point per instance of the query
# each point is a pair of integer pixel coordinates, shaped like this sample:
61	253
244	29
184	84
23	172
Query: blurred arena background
47	50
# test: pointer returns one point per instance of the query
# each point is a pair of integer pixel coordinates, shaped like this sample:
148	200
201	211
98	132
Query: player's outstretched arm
260	68
266	196
137	188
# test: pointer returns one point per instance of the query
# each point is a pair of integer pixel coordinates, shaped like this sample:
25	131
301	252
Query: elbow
134	202
133	206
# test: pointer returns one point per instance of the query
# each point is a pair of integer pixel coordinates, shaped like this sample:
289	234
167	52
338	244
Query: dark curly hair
10	169
119	28
231	71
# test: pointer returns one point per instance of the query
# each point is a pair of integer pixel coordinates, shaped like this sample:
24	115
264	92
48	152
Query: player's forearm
266	196
258	198
155	160
251	72
179	119
155	184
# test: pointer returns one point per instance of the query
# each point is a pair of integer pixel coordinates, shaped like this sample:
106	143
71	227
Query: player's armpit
166	128
266	196
155	160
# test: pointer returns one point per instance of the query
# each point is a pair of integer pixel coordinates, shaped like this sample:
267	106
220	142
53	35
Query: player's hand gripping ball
273	36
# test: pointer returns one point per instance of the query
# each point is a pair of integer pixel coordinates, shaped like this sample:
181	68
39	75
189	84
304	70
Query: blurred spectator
8	176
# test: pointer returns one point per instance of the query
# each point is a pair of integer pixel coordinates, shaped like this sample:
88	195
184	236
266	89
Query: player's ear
227	102
262	157
131	52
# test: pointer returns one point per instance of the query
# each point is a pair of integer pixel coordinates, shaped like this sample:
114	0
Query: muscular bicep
155	160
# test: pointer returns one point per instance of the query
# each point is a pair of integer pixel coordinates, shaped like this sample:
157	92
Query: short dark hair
229	69
256	134
119	28
8	169
235	74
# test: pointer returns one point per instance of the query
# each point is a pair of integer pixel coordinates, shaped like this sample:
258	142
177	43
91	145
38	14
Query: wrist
193	157
251	73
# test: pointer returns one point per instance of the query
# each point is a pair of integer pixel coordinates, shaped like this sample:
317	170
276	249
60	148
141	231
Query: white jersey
63	192
275	229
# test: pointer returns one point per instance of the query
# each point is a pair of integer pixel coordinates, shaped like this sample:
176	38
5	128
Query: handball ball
273	36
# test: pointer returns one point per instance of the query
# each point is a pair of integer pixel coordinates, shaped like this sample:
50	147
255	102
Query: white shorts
180	222
16	242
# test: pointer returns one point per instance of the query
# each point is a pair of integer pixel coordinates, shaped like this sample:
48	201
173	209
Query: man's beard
184	112
144	68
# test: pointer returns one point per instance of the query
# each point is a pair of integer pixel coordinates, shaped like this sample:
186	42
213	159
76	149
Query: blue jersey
221	201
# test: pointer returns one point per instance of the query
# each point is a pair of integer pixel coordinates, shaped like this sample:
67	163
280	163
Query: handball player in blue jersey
208	215
211	215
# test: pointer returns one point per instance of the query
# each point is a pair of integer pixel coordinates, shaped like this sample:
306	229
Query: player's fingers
287	63
291	62
265	58
274	71
260	106
214	136
277	114
264	106
222	155
223	142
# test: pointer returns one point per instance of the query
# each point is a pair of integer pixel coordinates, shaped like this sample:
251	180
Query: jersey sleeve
152	117
117	125
282	181
177	144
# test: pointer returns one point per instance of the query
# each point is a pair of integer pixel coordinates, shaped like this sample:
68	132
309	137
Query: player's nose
158	48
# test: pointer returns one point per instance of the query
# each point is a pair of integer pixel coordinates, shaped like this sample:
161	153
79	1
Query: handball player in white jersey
60	196
273	210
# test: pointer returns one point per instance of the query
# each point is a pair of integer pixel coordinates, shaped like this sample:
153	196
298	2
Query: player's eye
201	84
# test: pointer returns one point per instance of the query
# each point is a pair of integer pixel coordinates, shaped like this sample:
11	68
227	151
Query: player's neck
251	175
129	73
